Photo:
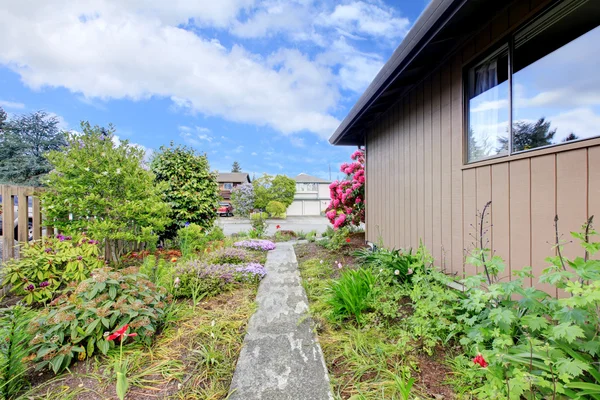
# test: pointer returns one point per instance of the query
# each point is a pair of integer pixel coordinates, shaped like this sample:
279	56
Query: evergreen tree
571	136
24	142
530	135
236	167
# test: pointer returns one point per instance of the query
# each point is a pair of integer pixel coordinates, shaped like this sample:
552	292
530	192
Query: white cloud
11	104
583	122
254	153
297	141
360	17
116	53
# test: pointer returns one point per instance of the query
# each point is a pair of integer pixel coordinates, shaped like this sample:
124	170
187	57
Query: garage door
312	207
295	208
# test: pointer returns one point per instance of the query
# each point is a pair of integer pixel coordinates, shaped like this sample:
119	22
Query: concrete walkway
280	359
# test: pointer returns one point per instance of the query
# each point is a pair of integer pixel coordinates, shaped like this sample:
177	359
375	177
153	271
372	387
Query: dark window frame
507	40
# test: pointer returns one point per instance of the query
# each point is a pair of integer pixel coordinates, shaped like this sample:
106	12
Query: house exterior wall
419	187
310	203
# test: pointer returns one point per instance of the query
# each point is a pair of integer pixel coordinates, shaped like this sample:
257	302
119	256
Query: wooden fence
26	216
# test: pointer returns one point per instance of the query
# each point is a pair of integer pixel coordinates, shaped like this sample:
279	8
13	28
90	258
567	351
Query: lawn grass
193	357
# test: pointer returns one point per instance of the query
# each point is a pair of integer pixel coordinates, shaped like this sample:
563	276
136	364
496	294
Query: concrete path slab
281	360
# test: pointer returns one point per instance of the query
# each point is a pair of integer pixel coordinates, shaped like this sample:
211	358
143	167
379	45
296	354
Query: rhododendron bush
347	204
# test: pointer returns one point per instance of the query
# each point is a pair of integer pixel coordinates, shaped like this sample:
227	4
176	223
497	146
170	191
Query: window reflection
488	108
557	95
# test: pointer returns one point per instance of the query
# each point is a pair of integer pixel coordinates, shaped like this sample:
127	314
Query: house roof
305	178
233	177
438	32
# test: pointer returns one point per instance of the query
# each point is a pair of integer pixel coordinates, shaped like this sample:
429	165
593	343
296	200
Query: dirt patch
433	374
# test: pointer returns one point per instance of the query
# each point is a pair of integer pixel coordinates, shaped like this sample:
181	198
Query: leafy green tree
191	188
269	188
101	188
24	141
236	167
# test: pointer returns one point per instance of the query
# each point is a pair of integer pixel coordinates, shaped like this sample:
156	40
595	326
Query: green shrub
351	294
102	188
160	272
190	187
48	265
311	236
74	324
194	238
401	264
329	232
276	209
259	225
338	240
14	348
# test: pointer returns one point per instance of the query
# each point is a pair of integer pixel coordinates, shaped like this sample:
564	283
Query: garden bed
371	360
193	357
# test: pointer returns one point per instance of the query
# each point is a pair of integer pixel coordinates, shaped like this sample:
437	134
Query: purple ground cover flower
253	269
256	244
225	272
229	255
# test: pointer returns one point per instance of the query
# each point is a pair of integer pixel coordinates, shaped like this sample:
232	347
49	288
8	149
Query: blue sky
261	82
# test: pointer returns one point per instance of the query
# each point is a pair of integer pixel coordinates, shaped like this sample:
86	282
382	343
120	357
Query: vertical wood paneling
22	211
594	185
517	12
407	169
499	24
446	128
501	213
414	230
37	219
457	163
483	38
427	169
469	201
420	167
8	218
400	174
543	207
571	196
436	153
484	194
520	206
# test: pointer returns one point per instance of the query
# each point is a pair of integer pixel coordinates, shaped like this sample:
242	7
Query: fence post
37	218
23	212
8	222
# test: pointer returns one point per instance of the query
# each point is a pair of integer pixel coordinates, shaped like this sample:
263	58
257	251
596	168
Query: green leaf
534	323
122	385
56	363
567	332
90	328
569	369
503	318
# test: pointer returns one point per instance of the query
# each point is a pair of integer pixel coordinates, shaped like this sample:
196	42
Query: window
228	186
306	187
552	95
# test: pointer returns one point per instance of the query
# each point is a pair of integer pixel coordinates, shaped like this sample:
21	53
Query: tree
236	167
528	135
242	198
279	188
571	137
101	188
347	204
24	141
191	188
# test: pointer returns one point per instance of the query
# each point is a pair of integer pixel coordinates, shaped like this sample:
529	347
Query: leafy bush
160	272
74	324
243	198
194	238
329	232
339	239
199	279
102	188
311	236
258	215
276	209
351	294
14	348
402	264
259	225
189	187
47	265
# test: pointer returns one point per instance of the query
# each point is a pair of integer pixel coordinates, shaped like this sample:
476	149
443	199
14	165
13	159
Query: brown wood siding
420	189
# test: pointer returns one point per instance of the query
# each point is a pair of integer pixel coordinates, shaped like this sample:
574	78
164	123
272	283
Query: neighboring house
484	100
228	180
312	196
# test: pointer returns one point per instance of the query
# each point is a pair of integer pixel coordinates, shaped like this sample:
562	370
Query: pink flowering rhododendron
347	204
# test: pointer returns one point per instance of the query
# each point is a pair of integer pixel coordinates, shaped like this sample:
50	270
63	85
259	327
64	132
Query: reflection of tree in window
571	136
530	135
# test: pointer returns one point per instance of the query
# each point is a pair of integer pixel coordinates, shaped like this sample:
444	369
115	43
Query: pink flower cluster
347	204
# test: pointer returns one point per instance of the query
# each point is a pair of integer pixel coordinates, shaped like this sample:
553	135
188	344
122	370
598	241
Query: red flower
480	360
278	227
120	333
347	240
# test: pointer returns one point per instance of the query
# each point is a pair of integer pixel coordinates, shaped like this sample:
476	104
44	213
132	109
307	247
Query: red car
225	210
